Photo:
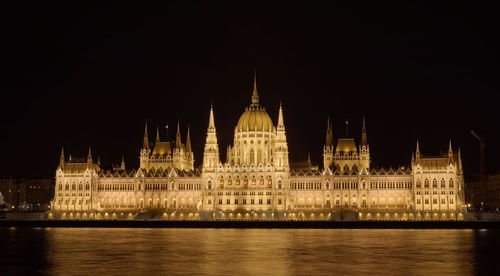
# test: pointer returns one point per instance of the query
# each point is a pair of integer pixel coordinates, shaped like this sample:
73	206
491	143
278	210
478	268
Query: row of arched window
435	183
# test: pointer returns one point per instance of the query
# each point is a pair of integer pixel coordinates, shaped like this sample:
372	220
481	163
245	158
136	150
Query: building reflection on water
247	251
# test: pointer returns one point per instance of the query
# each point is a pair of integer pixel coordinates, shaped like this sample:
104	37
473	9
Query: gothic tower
328	147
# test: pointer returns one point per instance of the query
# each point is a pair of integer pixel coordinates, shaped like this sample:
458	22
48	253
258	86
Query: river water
97	251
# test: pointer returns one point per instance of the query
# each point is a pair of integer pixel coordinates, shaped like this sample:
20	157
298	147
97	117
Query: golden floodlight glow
256	180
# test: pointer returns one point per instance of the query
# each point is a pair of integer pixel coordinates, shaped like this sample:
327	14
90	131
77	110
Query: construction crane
482	176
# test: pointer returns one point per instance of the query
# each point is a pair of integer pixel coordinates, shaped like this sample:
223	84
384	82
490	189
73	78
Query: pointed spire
62	153
123	163
417	152
255	95
98	160
157	133
281	124
329	134
178	136
211	123
364	140
61	159
89	156
309	157
450	150
145	143
459	160
188	142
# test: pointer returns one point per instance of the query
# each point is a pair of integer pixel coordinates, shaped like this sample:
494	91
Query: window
228	201
209	201
426	183
244	201
443	185
220	201
451	200
261	181
419	184
451	183
279	184
434	183
279	200
260	200
443	201
252	201
268	201
236	201
418	200
426	201
434	201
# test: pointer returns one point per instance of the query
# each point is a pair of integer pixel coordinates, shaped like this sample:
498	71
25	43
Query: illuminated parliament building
257	182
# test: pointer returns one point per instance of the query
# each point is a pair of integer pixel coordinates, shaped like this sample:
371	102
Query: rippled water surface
247	251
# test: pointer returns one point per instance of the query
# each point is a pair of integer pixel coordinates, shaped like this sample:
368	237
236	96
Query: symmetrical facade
257	181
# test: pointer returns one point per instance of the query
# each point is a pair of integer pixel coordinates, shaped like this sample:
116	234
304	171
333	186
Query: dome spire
255	95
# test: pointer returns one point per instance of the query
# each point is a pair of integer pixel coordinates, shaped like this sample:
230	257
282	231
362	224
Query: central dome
255	119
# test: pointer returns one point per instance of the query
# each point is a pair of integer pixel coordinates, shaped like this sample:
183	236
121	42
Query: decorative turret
364	140
328	148
178	143
122	165
145	144
281	124
89	158
364	149
145	151
417	154
460	169
450	153
280	144
188	142
61	159
157	134
211	153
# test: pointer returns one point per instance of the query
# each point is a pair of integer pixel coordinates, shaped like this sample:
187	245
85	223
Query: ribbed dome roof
255	119
346	145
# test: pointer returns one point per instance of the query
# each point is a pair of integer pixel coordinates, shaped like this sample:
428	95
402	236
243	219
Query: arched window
252	157
327	185
434	183
451	183
209	184
426	183
443	183
279	184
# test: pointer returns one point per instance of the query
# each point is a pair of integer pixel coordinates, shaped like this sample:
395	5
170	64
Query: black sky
80	75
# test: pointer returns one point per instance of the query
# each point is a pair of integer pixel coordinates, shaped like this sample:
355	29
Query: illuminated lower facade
258	182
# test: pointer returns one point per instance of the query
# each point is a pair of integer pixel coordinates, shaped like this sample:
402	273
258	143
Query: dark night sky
91	75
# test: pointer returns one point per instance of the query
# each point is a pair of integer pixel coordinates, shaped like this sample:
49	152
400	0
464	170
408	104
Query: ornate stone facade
257	181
